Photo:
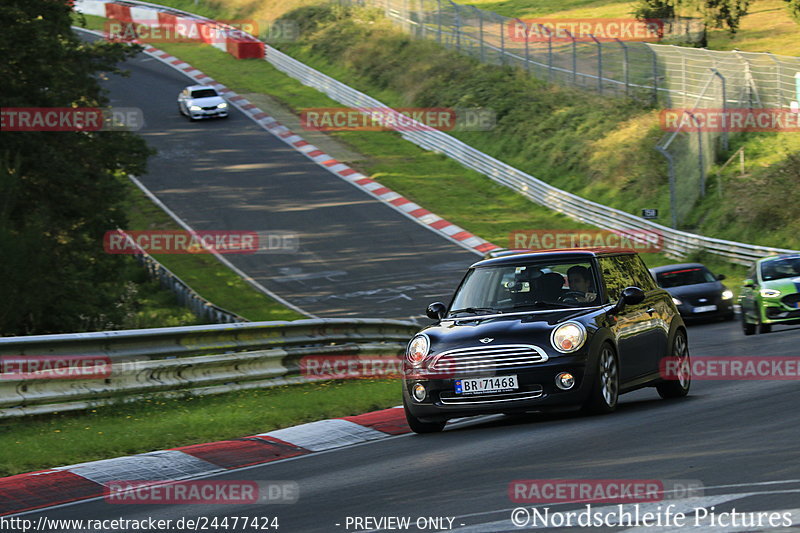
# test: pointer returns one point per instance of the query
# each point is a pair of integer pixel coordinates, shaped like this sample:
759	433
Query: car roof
534	256
782	256
676	266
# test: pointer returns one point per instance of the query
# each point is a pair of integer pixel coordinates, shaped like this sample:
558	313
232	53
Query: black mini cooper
545	330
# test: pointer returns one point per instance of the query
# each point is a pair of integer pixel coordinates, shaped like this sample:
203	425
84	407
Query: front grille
483	358
210	108
776	313
792	300
451	398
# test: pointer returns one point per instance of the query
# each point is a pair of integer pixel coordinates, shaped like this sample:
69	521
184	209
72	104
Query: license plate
483	385
705	308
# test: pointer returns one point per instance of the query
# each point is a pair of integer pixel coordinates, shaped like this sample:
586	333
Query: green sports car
771	294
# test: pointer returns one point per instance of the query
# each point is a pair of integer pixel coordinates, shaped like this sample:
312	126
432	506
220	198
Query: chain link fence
666	75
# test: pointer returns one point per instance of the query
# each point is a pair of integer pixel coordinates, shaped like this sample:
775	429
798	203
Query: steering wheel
571	297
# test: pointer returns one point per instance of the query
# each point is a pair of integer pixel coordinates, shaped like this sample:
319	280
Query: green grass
39	442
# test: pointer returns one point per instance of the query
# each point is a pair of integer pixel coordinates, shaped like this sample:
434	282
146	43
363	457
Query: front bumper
537	391
723	308
218	113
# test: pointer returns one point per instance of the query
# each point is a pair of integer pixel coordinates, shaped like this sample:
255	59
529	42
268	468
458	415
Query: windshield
784	267
684	276
526	287
204	93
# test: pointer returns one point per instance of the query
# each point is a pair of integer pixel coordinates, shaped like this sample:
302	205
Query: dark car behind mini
696	291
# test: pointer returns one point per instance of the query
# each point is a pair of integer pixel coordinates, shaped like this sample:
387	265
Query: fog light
419	392
565	381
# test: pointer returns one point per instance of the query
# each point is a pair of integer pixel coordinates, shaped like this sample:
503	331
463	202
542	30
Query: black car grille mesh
482	358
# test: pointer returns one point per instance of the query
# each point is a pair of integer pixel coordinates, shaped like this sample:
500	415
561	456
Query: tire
678	388
747	327
604	395
730	316
418	426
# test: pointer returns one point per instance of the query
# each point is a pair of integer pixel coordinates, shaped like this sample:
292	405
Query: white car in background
202	101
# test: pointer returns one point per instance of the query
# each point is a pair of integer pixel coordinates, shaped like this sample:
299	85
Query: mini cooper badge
486	340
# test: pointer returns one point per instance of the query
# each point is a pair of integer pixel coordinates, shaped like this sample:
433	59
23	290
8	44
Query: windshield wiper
475	310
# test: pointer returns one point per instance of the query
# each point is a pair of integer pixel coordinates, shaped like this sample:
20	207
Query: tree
794	9
59	191
715	13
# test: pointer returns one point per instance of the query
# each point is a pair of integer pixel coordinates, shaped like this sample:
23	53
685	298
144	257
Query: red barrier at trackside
245	48
119	12
237	43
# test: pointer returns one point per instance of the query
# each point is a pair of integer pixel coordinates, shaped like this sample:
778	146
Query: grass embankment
766	28
39	442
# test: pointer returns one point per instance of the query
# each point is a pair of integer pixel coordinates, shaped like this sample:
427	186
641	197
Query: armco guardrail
191	360
676	243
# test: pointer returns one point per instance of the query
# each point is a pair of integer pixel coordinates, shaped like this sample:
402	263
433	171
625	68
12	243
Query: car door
749	293
635	327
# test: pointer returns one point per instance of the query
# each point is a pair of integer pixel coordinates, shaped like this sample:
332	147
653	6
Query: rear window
204	93
684	276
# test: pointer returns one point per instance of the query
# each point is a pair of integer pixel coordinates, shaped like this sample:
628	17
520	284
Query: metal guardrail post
527	45
655	77
502	41
458	25
480	33
574	58
439	21
700	161
625	66
725	124
549	53
599	64
671	170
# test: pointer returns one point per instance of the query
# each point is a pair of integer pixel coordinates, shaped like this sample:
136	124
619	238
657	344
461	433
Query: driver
580	281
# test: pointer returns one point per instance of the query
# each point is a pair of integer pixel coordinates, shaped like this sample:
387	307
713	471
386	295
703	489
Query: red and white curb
396	201
65	484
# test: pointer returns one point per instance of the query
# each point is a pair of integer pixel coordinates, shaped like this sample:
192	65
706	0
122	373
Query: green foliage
722	13
654	9
794	9
59	191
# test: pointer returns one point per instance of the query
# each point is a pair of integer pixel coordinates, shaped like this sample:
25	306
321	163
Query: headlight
727	294
223	105
676	301
770	293
417	349
195	108
568	337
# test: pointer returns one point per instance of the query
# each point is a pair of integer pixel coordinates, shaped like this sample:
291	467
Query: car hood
206	102
785	285
698	289
533	328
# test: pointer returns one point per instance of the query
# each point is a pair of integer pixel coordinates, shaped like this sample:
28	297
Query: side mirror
629	296
749	283
436	311
720	276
